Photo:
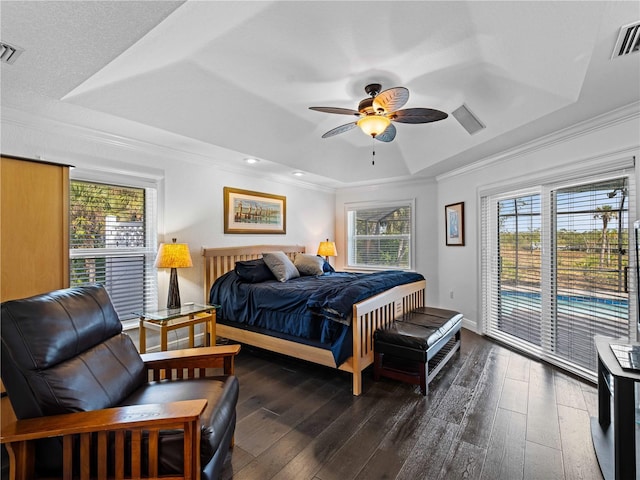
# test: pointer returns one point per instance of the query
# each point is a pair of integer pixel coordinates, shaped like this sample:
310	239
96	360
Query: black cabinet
614	439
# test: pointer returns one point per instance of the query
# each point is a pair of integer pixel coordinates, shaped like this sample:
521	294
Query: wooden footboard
376	312
368	315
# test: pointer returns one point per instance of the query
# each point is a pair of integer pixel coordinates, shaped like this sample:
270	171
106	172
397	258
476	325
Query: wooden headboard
218	261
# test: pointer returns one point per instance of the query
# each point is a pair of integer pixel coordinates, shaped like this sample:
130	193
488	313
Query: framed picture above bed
454	224
254	212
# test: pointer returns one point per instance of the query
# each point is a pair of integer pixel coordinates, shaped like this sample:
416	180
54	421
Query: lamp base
173	299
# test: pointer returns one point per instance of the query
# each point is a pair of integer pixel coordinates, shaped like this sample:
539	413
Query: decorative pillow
327	268
253	271
280	265
309	264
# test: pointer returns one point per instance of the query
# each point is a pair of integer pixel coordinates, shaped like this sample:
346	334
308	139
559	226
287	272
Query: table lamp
173	255
327	249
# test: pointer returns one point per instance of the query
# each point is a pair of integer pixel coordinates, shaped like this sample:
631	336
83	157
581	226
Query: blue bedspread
316	309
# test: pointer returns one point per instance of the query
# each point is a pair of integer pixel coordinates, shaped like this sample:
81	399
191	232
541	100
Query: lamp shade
373	124
173	255
327	249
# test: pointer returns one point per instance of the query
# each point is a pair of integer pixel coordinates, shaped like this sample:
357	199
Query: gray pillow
280	265
309	264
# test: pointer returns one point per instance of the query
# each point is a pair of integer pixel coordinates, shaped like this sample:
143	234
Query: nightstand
166	320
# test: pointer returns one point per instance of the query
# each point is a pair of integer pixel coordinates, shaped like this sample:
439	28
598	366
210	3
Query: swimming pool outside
617	307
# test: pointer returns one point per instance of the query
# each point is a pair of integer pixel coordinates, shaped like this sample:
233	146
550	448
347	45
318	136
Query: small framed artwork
454	224
254	212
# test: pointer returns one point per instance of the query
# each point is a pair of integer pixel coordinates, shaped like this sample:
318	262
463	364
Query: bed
368	314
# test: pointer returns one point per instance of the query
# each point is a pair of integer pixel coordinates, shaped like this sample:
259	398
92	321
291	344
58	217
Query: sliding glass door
590	281
556	269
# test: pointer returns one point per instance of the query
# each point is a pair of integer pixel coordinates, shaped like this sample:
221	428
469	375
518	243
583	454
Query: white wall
191	195
426	229
604	139
190	190
194	214
453	272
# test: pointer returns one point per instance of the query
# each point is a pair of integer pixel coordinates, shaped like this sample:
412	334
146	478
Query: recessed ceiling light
298	174
251	160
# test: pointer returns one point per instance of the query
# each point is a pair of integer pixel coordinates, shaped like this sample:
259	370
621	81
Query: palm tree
605	214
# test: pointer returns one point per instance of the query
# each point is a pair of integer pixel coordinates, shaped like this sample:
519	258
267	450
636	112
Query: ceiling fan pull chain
373	149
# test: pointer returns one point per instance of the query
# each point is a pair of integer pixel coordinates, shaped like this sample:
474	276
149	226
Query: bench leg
424	385
377	366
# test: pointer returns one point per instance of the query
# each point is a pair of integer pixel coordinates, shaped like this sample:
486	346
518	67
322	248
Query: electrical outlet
450	293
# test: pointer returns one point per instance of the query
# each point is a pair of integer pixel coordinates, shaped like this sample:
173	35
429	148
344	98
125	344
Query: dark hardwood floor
490	414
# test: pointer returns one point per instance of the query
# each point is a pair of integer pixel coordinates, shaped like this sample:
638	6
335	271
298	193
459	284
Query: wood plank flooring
490	414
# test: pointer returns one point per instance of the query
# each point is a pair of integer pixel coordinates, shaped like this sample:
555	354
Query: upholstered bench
416	347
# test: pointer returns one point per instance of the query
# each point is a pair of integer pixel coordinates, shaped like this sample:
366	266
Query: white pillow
280	265
308	264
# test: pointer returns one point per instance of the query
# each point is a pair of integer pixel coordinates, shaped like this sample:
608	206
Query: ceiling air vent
468	119
628	40
9	53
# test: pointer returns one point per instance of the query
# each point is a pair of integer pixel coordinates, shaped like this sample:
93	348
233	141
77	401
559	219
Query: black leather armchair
89	404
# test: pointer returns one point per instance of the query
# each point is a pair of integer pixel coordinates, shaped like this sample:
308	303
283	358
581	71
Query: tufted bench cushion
411	349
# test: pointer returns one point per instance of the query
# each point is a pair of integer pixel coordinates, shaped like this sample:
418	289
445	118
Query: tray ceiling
241	75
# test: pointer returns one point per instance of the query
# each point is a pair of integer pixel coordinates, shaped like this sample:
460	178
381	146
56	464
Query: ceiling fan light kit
373	125
378	111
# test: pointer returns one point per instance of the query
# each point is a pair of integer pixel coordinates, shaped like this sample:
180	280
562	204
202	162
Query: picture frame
454	224
249	212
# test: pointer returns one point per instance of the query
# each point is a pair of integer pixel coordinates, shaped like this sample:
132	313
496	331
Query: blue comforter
316	309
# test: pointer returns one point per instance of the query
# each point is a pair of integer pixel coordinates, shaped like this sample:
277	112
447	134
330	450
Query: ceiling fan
378	111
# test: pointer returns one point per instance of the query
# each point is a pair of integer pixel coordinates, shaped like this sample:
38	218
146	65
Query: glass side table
188	315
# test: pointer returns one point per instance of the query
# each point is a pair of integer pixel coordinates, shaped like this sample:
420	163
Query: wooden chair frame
92	428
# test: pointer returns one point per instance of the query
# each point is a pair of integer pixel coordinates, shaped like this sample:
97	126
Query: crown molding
206	157
406	181
606	120
597	164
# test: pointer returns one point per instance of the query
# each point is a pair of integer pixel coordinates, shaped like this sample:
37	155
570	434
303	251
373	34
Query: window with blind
380	235
112	242
556	268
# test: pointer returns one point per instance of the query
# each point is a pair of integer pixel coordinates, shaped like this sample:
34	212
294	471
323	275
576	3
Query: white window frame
352	207
588	171
152	186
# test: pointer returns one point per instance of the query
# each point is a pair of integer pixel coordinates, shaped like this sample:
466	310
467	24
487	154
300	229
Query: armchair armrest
163	364
95	426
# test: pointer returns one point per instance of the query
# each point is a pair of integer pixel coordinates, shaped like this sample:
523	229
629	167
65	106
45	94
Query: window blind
520	267
112	242
591	275
511	237
380	235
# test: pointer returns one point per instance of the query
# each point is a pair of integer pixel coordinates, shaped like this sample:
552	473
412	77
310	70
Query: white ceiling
241	75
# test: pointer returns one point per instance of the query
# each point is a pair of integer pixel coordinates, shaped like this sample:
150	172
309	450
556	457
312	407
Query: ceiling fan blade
391	100
340	129
341	111
417	115
388	134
